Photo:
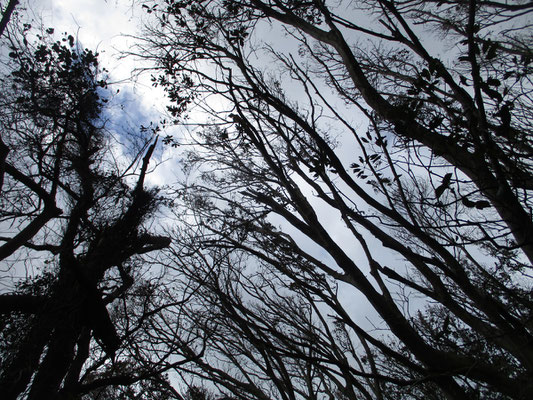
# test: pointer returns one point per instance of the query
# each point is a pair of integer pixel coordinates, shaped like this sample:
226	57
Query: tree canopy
354	219
73	220
376	150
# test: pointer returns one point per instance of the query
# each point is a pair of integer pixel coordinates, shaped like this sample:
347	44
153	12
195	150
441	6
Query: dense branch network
423	158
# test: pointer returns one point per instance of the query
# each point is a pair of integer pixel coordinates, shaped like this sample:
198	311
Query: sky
107	26
98	24
104	26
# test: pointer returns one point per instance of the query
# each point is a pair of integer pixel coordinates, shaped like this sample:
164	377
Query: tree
75	219
433	191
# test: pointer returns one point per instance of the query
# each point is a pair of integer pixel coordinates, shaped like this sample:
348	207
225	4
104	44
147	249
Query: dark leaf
481	204
493	82
468	203
435	122
492	51
444	185
446	179
440	190
493	94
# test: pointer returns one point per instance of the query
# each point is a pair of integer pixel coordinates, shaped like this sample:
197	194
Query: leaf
486	45
492	52
435	122
493	82
463	80
468	203
493	94
439	191
447	179
481	204
444	185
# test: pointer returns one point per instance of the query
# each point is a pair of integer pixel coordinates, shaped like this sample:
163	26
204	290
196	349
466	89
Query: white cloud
109	27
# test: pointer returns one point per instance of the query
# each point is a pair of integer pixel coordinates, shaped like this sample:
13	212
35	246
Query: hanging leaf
492	51
481	204
468	203
493	82
444	185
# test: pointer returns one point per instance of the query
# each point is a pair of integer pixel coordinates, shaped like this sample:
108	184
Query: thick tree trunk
73	375
66	314
17	374
24	303
57	361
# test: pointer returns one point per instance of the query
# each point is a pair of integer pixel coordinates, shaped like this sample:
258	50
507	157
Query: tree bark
6	16
17	374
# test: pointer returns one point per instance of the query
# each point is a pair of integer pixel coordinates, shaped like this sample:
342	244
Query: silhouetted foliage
372	154
73	223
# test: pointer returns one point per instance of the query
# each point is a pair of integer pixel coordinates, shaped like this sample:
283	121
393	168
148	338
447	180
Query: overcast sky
104	26
98	24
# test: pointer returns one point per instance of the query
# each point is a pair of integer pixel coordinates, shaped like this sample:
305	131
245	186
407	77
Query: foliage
378	155
74	221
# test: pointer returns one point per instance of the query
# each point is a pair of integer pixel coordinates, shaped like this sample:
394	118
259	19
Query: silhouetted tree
392	142
72	218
